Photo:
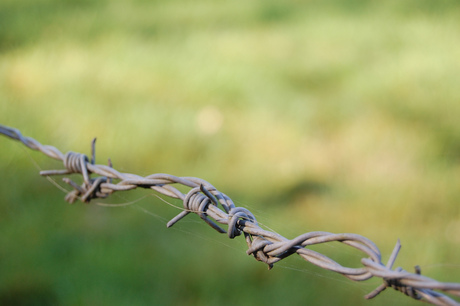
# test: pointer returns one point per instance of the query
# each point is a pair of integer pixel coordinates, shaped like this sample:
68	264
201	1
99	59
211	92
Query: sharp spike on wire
93	151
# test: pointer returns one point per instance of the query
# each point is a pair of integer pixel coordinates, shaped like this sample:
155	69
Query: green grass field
339	116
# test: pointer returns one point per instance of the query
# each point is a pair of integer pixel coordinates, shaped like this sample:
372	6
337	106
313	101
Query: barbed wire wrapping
204	200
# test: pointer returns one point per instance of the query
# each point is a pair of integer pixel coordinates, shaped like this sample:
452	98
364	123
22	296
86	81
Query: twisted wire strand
214	208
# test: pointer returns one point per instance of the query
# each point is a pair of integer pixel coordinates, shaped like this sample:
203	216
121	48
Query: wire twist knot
87	191
256	248
75	162
197	200
91	187
234	216
397	285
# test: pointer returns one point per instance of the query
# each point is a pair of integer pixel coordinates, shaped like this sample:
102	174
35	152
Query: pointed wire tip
93	151
394	254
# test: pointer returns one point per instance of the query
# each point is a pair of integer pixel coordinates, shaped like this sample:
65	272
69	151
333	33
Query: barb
204	200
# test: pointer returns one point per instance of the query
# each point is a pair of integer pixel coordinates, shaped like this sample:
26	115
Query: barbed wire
203	199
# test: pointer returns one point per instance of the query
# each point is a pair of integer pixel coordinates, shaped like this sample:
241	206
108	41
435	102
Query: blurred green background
339	116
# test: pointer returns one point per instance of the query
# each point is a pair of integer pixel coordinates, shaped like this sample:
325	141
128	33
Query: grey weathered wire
268	247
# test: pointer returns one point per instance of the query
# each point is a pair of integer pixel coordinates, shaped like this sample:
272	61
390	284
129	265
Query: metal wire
204	200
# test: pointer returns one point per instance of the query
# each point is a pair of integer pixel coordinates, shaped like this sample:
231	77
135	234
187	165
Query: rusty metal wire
204	199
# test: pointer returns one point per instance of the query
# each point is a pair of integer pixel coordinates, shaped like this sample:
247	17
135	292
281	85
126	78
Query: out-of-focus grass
338	116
